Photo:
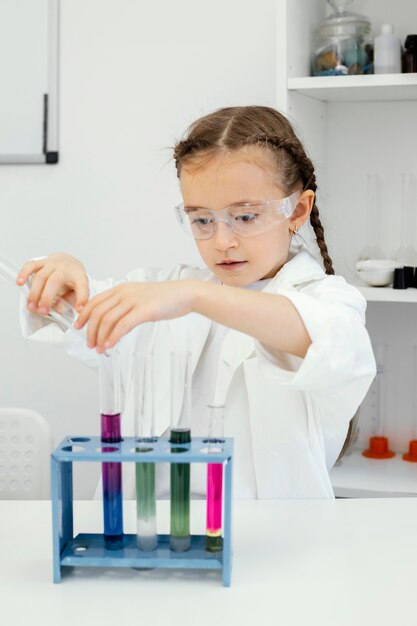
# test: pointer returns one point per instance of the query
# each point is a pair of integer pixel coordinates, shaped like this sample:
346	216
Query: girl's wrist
206	298
198	291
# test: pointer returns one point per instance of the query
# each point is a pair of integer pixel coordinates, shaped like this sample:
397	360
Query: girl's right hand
58	274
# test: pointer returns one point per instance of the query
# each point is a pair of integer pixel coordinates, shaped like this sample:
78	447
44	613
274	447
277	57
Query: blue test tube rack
88	549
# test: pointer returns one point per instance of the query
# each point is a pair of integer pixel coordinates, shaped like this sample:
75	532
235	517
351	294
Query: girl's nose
224	237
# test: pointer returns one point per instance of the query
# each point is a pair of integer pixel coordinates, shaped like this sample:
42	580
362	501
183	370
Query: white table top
342	562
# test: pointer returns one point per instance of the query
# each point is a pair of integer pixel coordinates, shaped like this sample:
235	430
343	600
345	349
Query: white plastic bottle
387	52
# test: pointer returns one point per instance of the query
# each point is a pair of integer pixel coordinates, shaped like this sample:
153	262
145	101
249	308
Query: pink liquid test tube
214	540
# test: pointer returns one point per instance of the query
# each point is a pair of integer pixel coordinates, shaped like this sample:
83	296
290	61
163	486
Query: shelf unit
358	476
352	126
387	294
378	88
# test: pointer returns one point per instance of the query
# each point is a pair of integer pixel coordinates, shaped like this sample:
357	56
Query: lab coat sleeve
340	356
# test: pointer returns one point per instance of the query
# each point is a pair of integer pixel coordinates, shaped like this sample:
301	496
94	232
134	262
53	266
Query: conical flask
62	312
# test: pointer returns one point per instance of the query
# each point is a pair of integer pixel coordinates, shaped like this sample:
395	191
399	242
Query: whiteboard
28	81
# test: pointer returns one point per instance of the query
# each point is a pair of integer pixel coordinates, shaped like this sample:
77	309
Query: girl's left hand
113	313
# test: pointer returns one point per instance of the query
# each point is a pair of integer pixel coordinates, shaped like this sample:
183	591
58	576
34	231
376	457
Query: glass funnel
372	249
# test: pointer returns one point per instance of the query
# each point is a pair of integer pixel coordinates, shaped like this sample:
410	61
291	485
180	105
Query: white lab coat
299	409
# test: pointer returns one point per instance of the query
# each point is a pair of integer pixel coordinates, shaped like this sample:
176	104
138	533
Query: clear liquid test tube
110	410
143	390
180	434
214	540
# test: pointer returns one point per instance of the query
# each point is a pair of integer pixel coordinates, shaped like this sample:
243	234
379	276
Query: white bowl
376	278
377	272
378	264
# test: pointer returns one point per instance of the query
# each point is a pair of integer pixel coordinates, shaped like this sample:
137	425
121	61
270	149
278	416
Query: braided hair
232	128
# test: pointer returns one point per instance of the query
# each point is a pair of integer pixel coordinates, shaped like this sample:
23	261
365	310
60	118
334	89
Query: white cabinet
354	126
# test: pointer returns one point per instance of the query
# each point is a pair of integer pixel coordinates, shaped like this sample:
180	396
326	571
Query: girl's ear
302	210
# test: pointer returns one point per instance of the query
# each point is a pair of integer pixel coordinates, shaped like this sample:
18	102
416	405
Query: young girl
272	336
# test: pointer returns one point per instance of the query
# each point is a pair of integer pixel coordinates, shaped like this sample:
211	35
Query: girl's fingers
37	287
27	269
82	291
122	327
52	290
96	317
88	309
109	321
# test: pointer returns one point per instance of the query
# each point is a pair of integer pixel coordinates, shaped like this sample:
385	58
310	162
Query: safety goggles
247	219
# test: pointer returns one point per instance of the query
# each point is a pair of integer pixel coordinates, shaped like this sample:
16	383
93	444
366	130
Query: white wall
133	75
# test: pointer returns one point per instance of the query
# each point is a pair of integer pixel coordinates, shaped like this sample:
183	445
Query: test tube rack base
89	549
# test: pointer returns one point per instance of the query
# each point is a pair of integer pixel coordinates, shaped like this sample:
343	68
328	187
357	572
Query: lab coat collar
300	267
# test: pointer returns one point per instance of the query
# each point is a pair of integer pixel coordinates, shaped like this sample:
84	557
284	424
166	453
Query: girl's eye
246	217
201	221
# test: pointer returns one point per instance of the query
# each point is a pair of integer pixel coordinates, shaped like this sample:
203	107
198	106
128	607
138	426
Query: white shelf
357	88
387	294
356	477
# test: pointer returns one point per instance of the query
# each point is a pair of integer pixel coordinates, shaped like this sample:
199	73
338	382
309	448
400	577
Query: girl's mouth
231	265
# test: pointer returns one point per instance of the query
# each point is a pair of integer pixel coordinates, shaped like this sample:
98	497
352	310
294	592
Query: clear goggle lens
245	219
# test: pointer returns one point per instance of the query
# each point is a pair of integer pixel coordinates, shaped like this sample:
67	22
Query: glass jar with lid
342	43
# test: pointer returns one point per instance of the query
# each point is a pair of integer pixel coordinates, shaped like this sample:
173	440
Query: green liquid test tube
180	435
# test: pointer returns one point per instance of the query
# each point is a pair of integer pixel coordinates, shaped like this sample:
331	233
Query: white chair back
25	449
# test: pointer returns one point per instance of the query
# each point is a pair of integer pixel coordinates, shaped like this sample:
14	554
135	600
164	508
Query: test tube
180	434
144	430
214	540
110	409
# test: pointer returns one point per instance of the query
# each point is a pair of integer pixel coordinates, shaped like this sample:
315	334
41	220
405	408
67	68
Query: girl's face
245	175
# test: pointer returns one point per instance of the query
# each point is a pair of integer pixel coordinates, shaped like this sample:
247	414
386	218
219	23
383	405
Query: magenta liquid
112	484
214	507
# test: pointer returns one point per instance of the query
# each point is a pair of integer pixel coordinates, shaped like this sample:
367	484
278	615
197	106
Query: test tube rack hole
89	550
